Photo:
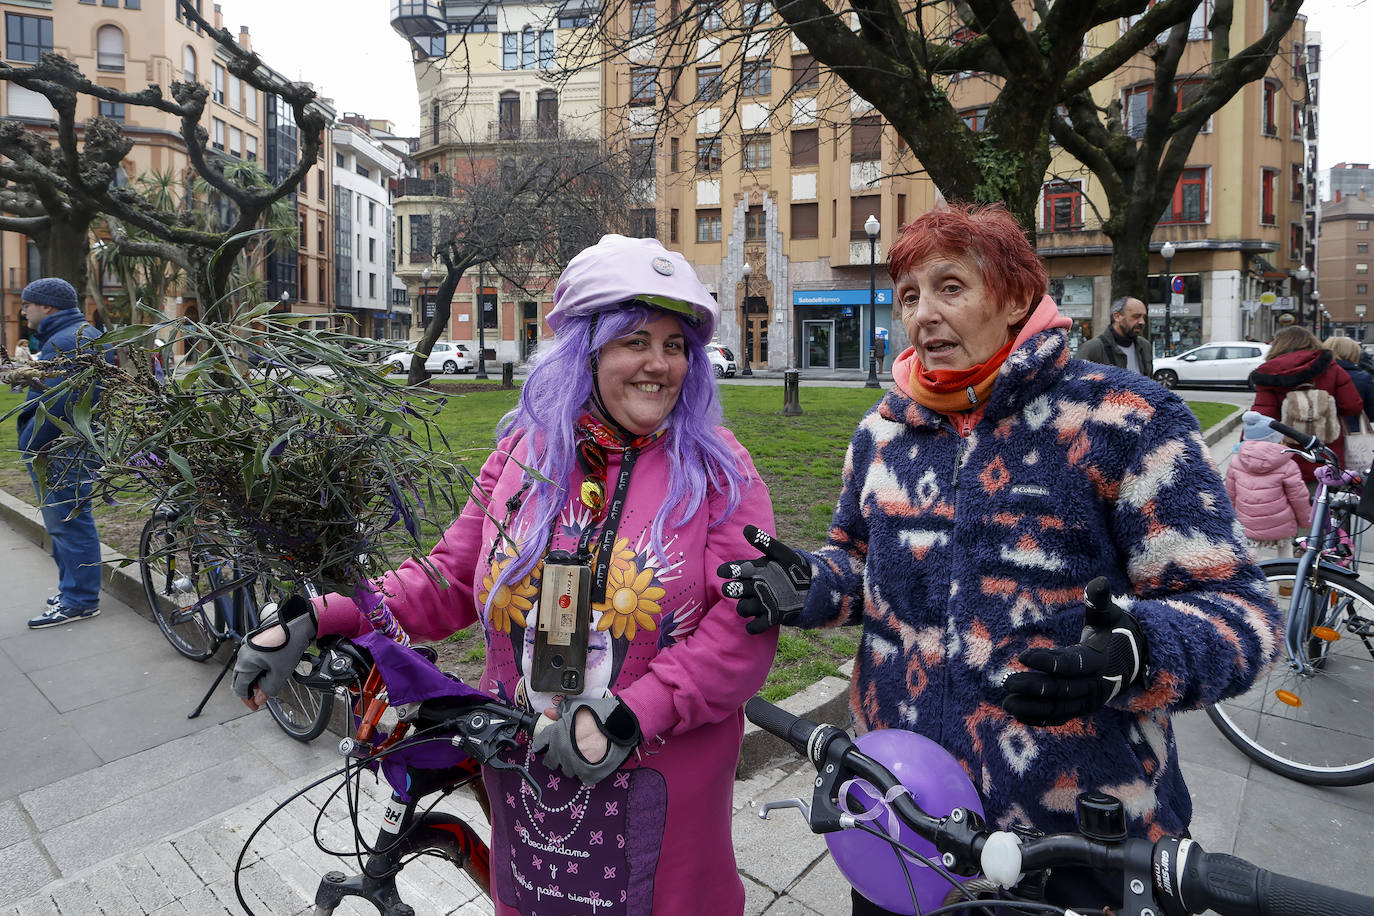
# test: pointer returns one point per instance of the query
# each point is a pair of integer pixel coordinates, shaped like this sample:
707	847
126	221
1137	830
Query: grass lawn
800	458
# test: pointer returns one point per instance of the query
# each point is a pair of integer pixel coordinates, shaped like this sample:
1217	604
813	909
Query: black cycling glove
1076	681
556	739
771	589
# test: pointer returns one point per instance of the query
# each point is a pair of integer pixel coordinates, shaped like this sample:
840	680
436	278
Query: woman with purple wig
615	463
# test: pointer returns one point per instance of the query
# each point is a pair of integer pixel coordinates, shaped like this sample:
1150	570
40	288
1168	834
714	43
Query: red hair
987	234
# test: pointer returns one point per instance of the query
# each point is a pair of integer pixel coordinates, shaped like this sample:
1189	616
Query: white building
364	173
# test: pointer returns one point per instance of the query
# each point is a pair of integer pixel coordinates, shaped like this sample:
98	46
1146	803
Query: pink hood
1045	317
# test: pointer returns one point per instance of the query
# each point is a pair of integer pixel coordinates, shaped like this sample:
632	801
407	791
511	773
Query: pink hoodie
1266	487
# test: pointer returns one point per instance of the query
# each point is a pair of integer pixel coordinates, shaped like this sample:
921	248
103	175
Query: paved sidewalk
111	802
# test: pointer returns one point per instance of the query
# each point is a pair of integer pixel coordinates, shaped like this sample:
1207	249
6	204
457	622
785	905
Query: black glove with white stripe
1076	681
771	589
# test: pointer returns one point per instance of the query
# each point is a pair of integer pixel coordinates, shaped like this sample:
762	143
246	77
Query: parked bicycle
201	600
1171	876
1311	716
428	734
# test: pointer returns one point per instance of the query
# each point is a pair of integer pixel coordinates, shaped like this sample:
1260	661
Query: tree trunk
443	311
65	248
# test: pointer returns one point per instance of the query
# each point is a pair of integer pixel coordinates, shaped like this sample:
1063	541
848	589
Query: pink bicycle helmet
618	270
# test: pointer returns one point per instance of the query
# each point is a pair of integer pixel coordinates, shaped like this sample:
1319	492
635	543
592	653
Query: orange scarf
956	390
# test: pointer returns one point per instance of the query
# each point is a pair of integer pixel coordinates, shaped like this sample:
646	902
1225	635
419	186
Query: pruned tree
522	208
56	181
1138	165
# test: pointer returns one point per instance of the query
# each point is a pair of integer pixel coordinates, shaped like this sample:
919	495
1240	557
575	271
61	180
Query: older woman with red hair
982	495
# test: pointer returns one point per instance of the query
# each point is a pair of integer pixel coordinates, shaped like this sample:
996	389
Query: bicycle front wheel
170	572
302	712
1313	720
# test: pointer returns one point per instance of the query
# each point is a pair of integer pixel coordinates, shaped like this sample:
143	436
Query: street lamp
1316	310
872	227
1302	273
1359	316
746	338
1167	250
481	320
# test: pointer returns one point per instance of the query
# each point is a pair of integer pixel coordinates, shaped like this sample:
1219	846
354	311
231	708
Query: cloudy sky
348	50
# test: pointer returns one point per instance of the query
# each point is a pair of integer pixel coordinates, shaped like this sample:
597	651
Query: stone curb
1221	430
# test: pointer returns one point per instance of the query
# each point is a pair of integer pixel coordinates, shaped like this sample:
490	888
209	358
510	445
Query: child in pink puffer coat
1266	487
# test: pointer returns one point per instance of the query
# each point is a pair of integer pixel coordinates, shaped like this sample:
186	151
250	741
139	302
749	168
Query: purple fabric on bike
410	678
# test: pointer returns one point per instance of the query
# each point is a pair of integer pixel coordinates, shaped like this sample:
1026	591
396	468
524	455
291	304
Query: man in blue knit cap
52	308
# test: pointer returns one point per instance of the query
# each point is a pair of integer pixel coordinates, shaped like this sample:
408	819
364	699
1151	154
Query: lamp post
424	287
1302	273
1316	311
1167	250
1359	316
746	339
481	320
872	227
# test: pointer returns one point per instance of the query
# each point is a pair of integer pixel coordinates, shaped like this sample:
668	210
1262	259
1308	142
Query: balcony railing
425	187
539	129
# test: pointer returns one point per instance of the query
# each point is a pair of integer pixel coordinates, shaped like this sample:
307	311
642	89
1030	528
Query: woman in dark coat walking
1348	353
1296	358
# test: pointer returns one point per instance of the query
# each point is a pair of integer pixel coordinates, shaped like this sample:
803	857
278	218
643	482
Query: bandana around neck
957	390
595	442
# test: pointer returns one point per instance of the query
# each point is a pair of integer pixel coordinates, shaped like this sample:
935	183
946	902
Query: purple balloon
938	783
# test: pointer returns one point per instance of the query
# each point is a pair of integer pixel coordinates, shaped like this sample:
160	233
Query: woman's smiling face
641	375
951	316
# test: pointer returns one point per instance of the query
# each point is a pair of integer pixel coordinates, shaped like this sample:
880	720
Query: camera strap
605	543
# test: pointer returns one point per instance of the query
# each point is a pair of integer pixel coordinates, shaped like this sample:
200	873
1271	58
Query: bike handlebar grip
1305	441
1234	887
780	723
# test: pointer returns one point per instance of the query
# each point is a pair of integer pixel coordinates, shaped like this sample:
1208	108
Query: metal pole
872	311
481	320
748	337
1168	306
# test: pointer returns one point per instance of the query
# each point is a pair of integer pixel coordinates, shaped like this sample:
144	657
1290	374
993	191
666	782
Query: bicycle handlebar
1183	878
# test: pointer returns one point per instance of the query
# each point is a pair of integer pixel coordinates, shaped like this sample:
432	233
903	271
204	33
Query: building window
574	17
710	15
363	170
755	224
217	133
708	225
319	181
109	48
508	115
975	119
860	208
641	158
250	148
642	224
674	148
806	145
643	88
546	55
1063	206
1295	188
758	152
319	285
421	237
250	103
236	149
510	51
1269	124
1362	225
1361	289
372	286
1137	102
235	93
319	235
304	292
1361	268
188	63
546	114
1296	127
709	154
806	74
218	69
112	110
757	78
708	83
866	139
1362	248
806	221
1295	241
133	4
27	38
641	17
1269	180
672	225
1189	203
372	251
756	11
372	213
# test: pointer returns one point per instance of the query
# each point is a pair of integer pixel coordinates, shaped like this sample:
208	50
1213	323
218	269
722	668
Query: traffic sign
1176	284
1268	298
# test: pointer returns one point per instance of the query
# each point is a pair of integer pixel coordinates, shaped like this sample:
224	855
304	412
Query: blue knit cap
1257	428
51	291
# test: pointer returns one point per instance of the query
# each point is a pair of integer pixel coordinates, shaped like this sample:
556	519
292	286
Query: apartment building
127	44
479	69
1343	263
365	172
1345	179
732	191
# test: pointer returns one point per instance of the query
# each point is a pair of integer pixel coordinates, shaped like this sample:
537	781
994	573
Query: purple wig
558	391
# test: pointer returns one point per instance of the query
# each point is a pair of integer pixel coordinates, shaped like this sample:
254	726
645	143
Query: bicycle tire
302	712
451	838
169	585
1328	740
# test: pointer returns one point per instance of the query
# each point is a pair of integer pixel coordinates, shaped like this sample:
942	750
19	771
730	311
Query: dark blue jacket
1364	384
61	332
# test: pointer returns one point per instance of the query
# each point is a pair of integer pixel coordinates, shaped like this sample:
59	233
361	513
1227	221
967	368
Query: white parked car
722	360
1222	362
446	357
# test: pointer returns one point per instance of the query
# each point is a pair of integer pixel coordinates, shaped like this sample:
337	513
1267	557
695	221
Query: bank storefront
833	326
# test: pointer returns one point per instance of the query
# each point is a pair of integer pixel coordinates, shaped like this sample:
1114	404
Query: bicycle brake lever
496	763
797	803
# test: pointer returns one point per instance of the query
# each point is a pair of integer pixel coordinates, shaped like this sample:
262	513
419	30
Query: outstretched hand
769	590
1076	681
